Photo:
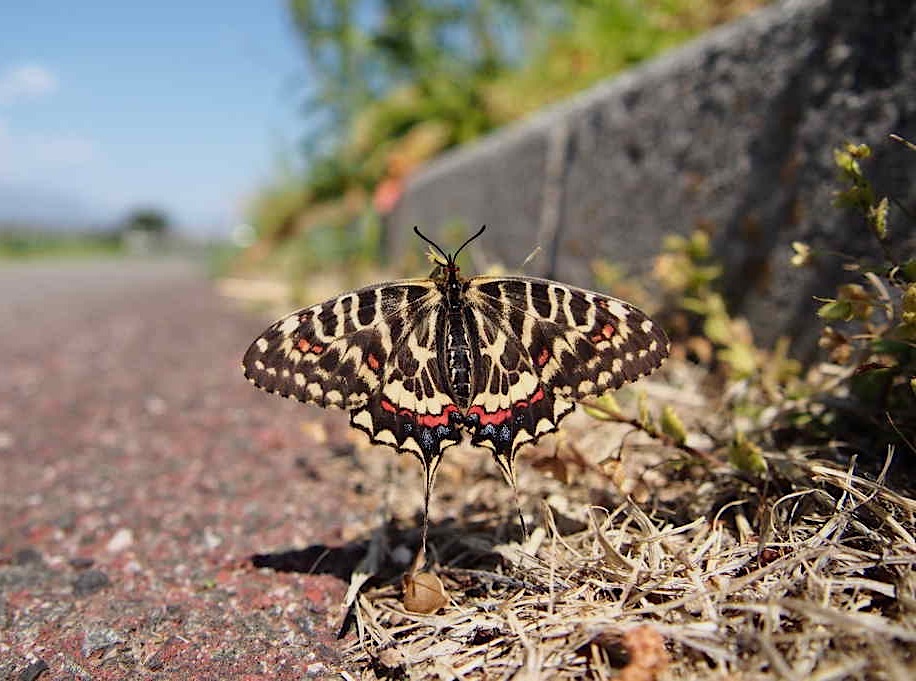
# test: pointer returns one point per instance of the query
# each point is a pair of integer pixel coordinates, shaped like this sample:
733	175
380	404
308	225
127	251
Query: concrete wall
734	131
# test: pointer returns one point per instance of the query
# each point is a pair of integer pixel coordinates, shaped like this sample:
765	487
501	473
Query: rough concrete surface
733	133
139	475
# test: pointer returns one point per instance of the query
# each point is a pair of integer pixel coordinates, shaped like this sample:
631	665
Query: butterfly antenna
469	240
430	242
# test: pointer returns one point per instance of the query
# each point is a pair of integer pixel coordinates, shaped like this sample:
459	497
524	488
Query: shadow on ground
451	543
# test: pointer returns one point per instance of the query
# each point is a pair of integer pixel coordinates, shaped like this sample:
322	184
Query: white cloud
26	81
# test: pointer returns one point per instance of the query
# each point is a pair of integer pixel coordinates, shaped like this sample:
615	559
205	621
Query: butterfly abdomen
457	356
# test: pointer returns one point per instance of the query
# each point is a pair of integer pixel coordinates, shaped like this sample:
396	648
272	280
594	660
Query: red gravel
140	473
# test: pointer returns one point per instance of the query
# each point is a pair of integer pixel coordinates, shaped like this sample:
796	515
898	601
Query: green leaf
741	359
746	456
644	418
877	218
908	269
603	408
889	346
836	310
909	298
717	329
698	247
672	426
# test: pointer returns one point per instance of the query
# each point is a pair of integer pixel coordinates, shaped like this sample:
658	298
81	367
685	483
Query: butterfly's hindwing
510	404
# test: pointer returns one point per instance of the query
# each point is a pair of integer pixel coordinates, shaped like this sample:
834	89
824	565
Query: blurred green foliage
393	83
16	244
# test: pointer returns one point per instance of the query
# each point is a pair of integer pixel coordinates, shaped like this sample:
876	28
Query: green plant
698	315
396	83
871	323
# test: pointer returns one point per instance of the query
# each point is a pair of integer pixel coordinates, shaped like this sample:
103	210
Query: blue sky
107	106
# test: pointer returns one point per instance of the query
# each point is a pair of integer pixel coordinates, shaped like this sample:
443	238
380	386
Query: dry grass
646	566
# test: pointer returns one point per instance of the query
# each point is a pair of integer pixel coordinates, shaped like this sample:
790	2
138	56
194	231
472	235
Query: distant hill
25	206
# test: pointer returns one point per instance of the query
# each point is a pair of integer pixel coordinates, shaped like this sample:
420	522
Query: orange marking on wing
373	362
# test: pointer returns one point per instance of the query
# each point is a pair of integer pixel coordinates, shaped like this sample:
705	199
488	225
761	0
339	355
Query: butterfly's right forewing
372	352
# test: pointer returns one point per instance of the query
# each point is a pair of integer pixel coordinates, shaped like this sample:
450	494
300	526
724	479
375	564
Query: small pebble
120	540
316	669
89	582
100	639
27	557
81	562
33	671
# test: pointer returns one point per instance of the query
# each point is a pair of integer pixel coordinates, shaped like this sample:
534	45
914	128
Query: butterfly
420	362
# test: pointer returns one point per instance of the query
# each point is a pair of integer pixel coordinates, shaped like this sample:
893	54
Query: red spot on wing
543	357
428	420
500	415
606	333
433	420
372	361
537	397
305	345
488	417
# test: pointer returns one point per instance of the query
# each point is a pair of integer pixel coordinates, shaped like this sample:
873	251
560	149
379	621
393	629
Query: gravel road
139	473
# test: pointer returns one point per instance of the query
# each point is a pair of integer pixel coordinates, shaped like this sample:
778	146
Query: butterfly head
447	273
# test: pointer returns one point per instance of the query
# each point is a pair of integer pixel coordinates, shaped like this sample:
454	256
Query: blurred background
283	128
